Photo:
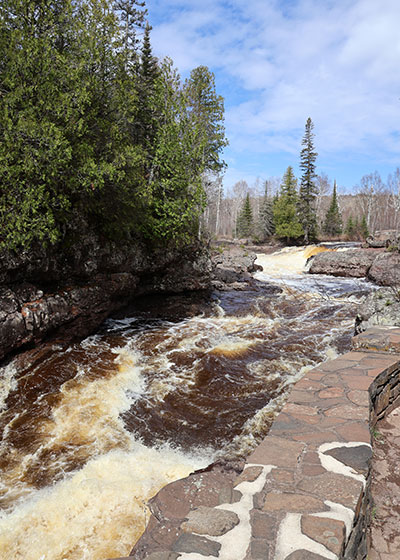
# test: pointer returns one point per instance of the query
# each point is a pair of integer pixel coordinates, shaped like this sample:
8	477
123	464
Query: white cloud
336	61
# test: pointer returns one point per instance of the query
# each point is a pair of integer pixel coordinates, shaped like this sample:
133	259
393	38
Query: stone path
303	494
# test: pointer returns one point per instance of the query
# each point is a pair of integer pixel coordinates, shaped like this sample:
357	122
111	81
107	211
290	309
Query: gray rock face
232	268
210	521
354	263
385	269
200	545
380	308
383	238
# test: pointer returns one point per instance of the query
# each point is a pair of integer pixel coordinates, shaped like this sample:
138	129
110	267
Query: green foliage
308	188
287	224
245	224
91	123
364	232
350	227
333	224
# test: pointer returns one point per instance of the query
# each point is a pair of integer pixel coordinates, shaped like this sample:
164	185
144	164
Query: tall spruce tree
267	224
287	224
350	227
364	231
244	226
333	223
308	188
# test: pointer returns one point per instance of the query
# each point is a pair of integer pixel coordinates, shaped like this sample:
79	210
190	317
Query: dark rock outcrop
68	292
354	263
233	267
384	238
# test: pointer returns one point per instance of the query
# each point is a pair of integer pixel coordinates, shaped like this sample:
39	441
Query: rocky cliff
69	291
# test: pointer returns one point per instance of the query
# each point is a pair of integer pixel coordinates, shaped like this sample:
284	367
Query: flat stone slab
276	451
200	545
210	521
304	555
162	555
356	457
296	502
329	532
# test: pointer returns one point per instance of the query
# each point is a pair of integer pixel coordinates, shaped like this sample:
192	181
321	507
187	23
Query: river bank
157	393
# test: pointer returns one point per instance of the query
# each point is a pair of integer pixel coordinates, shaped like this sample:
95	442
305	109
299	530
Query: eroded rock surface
354	263
380	308
70	293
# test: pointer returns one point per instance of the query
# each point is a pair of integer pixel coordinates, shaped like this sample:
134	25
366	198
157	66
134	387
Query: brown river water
92	430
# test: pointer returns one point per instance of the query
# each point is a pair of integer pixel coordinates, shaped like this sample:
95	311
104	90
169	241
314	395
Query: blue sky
278	62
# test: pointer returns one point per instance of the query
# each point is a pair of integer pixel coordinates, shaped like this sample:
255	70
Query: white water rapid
91	431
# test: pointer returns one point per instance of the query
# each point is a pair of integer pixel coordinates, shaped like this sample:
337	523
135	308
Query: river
92	430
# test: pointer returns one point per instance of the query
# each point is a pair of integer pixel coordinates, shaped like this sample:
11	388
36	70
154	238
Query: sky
278	62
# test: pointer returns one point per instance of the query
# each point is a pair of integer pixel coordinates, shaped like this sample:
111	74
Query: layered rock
69	291
385	269
354	263
233	267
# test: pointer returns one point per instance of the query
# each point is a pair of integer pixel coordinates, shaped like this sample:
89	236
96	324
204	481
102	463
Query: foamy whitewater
92	431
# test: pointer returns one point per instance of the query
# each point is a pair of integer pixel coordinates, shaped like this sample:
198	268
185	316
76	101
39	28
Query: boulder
354	263
232	267
380	307
385	270
384	238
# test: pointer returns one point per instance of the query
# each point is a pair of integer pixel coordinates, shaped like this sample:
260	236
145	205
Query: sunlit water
93	430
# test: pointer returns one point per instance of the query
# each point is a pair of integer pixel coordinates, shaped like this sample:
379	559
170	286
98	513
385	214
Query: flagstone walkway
304	492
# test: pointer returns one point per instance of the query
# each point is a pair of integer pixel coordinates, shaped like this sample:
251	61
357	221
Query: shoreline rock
72	294
354	263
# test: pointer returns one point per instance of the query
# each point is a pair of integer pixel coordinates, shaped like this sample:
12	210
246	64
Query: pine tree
287	224
350	227
333	224
244	226
147	116
308	188
132	15
267	225
205	110
364	232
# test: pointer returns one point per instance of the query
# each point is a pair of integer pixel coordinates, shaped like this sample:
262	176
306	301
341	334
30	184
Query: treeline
95	129
274	207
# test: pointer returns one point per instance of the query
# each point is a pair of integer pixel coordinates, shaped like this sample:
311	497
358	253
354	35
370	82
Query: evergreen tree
267	225
350	228
308	188
147	115
333	224
205	110
244	226
364	232
287	224
94	129
132	15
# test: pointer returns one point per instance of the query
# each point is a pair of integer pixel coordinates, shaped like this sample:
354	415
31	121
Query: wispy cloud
279	62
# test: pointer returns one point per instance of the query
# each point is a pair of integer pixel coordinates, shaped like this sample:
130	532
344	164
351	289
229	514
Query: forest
95	131
305	210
